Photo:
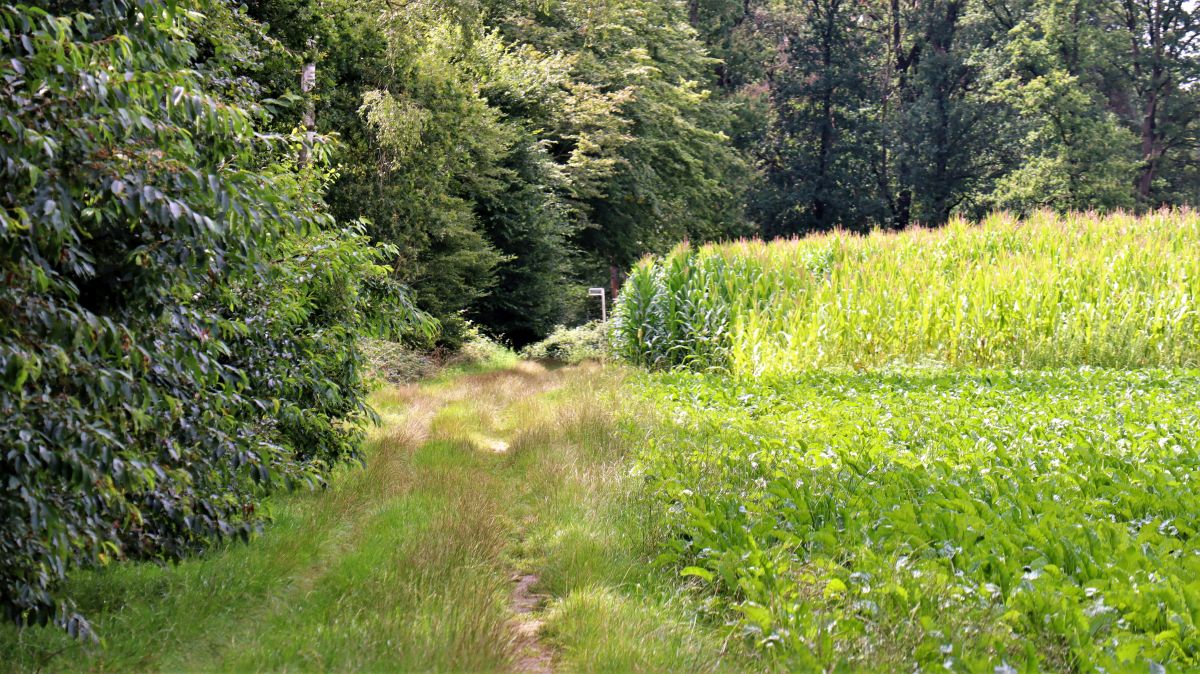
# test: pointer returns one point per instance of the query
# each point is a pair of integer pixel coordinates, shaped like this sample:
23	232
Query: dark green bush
178	313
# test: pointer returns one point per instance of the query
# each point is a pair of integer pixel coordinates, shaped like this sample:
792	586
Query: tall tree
1163	67
673	173
818	155
957	106
1076	152
940	126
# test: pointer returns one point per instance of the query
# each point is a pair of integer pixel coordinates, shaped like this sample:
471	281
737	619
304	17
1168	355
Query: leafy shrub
407	361
479	349
306	315
178	314
398	362
572	345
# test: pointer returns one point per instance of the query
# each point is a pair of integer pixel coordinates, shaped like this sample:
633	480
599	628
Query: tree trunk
825	150
1150	150
903	208
308	80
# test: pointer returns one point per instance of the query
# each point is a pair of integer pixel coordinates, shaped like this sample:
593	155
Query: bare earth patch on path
533	655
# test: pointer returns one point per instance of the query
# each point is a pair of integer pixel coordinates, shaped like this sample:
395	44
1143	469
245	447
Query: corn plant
1117	291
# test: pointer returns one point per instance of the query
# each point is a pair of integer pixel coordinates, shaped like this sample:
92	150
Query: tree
1163	67
179	313
1076	153
819	150
659	166
888	112
938	126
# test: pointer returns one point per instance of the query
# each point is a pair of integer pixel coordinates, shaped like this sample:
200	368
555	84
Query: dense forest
515	149
205	205
517	152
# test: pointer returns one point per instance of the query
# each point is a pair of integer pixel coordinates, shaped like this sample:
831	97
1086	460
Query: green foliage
924	513
305	316
888	113
415	137
436	143
677	176
178	311
1077	155
505	149
397	362
820	137
480	350
572	345
1047	291
921	519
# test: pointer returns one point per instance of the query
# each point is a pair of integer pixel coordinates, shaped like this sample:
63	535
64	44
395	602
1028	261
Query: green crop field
975	448
1049	291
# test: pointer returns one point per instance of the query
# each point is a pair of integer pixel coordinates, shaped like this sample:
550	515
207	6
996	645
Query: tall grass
1115	291
407	564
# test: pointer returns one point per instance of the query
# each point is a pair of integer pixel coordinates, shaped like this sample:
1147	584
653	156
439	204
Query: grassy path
492	529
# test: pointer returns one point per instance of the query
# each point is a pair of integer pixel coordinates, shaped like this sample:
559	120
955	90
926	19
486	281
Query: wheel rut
533	655
489	396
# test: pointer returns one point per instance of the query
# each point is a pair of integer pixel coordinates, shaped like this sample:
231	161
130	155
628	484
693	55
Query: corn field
1049	290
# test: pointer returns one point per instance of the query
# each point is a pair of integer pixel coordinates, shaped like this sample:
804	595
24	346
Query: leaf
834	587
757	615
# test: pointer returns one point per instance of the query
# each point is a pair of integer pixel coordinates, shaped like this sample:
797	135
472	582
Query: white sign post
599	292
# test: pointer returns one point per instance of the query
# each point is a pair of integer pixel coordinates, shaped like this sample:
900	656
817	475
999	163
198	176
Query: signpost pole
599	292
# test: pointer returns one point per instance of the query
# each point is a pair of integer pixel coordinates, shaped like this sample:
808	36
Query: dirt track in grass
493	528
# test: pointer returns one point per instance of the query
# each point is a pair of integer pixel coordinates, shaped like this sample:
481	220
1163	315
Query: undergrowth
572	345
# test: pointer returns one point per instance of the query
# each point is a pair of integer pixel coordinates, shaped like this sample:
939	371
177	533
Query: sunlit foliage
179	314
1051	291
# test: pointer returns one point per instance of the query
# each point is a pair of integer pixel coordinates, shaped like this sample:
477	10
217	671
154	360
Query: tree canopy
513	149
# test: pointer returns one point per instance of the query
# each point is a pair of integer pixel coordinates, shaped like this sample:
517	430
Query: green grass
397	566
407	564
594	542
